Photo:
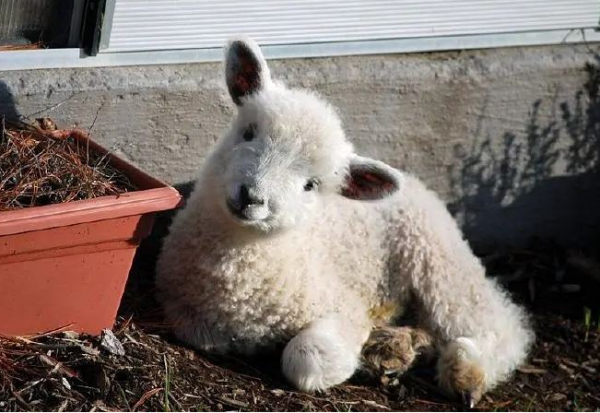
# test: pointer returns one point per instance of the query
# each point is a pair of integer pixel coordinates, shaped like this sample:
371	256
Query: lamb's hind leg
485	335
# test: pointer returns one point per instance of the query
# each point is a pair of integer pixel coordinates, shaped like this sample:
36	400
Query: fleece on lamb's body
312	272
244	295
355	256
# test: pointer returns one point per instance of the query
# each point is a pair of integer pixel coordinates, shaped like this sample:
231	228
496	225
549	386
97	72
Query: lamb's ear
369	180
246	71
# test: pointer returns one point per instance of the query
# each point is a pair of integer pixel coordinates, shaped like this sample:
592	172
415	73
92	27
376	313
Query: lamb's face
285	151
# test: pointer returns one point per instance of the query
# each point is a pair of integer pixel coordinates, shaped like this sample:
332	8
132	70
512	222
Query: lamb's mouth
236	211
245	215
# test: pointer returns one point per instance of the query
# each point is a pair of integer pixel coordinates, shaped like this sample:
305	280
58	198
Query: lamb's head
284	152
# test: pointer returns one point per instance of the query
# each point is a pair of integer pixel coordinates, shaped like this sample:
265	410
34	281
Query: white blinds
144	25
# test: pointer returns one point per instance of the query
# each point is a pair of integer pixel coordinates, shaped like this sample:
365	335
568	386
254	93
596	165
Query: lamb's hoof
460	374
470	399
472	389
393	350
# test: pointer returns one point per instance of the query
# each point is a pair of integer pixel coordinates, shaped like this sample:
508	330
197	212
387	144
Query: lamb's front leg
325	353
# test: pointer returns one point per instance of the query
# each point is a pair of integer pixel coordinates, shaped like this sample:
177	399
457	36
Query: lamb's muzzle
248	204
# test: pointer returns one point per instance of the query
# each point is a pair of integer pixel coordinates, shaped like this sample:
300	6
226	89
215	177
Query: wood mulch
141	367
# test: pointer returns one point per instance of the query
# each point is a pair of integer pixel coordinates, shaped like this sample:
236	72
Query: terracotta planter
66	265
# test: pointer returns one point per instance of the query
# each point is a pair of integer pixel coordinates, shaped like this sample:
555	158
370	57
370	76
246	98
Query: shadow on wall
511	187
8	106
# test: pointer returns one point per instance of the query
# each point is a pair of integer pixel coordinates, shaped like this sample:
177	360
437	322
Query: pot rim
154	195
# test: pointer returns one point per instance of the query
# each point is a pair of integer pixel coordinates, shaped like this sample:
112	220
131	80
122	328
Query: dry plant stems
64	370
17	47
40	165
587	321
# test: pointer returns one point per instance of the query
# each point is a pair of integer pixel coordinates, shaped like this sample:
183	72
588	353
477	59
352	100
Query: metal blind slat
184	24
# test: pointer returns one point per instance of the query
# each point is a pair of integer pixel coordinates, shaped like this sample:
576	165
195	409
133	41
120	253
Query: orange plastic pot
66	265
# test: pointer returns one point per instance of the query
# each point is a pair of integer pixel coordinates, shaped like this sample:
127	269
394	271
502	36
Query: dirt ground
146	369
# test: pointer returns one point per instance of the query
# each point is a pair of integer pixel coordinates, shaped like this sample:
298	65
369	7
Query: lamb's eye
249	133
311	184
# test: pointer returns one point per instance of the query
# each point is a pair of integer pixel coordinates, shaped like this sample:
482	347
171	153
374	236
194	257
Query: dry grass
40	165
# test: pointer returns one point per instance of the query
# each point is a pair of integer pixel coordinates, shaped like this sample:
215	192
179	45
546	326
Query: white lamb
291	237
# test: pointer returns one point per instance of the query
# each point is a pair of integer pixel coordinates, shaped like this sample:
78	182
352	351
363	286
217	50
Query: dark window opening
33	24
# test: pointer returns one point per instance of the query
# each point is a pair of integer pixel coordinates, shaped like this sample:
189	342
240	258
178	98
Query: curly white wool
310	274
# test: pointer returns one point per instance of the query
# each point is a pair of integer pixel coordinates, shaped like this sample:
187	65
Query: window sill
74	58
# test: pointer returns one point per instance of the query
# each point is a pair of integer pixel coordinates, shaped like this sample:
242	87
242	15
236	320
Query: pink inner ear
367	185
246	79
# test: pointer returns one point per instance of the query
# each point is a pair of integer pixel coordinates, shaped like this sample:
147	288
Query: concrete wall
509	137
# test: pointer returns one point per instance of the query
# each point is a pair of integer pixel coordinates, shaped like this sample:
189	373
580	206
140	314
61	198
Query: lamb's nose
248	197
